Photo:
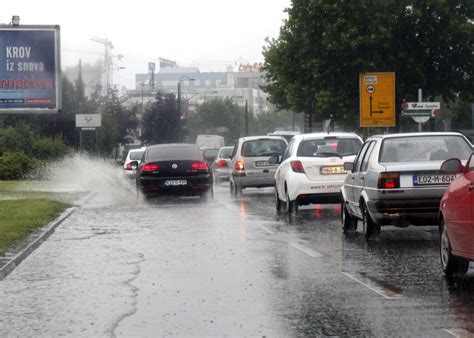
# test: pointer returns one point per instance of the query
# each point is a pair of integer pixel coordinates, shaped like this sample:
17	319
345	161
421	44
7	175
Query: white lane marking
306	250
459	333
387	294
267	230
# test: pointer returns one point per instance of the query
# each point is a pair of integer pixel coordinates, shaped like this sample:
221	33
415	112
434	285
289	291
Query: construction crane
107	75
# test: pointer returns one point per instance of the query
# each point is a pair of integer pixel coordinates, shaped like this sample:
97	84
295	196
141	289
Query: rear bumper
254	182
196	185
322	198
404	212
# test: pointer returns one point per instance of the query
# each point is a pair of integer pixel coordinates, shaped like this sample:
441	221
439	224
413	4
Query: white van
210	141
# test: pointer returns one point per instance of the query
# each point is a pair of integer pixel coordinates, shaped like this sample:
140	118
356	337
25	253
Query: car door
349	185
359	175
461	204
283	168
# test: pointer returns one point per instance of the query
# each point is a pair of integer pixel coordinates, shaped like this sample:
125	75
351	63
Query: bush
19	138
49	149
15	165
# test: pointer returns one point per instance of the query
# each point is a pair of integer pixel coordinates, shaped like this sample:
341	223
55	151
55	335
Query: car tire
450	264
291	206
349	222
369	227
278	202
235	190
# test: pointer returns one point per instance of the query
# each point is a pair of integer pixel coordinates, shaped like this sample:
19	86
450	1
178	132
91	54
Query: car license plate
433	179
175	182
332	170
262	163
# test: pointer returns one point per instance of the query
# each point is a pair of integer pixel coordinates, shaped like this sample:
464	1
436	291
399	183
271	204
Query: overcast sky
187	31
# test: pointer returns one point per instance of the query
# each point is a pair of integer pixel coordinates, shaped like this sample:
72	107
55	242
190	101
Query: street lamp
184	77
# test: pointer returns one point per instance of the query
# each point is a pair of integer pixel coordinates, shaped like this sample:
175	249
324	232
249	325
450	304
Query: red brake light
389	181
129	166
199	166
222	164
150	167
297	167
239	165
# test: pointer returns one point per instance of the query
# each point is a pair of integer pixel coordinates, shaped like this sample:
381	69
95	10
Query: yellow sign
377	99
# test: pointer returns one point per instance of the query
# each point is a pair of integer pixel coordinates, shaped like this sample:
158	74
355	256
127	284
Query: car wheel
349	222
451	265
291	206
278	202
369	227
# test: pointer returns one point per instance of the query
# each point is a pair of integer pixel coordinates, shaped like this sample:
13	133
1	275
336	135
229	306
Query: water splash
81	173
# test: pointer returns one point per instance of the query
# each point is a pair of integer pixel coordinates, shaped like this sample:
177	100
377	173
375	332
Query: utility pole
246	118
107	80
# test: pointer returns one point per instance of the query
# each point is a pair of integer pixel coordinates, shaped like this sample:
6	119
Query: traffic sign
377	99
412	109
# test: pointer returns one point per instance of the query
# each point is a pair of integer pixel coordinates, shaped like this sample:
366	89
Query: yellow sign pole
377	99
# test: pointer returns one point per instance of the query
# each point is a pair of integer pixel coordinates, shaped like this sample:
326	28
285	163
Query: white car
133	155
312	169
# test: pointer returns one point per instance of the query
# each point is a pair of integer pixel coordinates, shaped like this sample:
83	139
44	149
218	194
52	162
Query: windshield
424	148
264	147
329	147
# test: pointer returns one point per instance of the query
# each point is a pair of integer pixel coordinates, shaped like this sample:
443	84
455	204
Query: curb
8	267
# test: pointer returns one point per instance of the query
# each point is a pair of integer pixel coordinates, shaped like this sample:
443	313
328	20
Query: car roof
261	137
322	135
137	150
433	133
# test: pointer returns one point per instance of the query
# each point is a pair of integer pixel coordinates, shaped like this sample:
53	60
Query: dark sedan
178	169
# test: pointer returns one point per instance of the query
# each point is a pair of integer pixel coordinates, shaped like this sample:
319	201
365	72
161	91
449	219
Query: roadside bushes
22	151
15	164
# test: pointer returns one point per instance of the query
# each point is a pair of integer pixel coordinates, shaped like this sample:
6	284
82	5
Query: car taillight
199	166
239	166
129	166
222	164
388	181
150	167
297	167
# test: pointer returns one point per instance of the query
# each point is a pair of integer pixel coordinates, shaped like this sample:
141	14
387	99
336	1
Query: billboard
29	69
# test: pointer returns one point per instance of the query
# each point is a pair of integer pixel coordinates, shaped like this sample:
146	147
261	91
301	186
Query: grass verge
19	218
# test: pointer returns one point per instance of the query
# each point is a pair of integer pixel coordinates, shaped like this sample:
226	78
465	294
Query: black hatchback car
177	168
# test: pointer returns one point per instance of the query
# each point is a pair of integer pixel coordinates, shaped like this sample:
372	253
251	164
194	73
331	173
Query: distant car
133	155
312	169
457	218
395	180
177	168
221	168
210	141
250	164
210	154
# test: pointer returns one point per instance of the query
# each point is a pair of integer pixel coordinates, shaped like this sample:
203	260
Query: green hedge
15	165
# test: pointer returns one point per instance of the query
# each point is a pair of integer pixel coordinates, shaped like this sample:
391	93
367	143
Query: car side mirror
348	166
451	166
134	165
274	160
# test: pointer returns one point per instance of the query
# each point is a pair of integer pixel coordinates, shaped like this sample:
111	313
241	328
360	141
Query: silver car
251	166
395	180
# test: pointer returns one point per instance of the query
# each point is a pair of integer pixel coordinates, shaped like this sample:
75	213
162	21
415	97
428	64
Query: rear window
263	147
136	155
424	148
226	152
329	147
173	153
210	153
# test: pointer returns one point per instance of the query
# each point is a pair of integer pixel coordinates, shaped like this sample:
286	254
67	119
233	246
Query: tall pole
178	118
246	118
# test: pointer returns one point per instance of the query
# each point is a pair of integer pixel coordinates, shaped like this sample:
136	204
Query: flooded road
120	266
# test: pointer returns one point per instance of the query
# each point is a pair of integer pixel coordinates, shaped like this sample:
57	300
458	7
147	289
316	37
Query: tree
161	122
214	114
313	66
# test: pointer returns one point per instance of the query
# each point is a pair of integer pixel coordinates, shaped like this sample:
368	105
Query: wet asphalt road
230	266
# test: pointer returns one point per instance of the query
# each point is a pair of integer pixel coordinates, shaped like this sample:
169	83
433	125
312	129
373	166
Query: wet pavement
230	266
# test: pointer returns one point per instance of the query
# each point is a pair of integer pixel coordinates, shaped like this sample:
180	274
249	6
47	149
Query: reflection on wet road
230	266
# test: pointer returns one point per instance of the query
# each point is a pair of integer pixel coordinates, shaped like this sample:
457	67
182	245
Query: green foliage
280	120
217	113
19	138
161	123
49	149
313	66
15	165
